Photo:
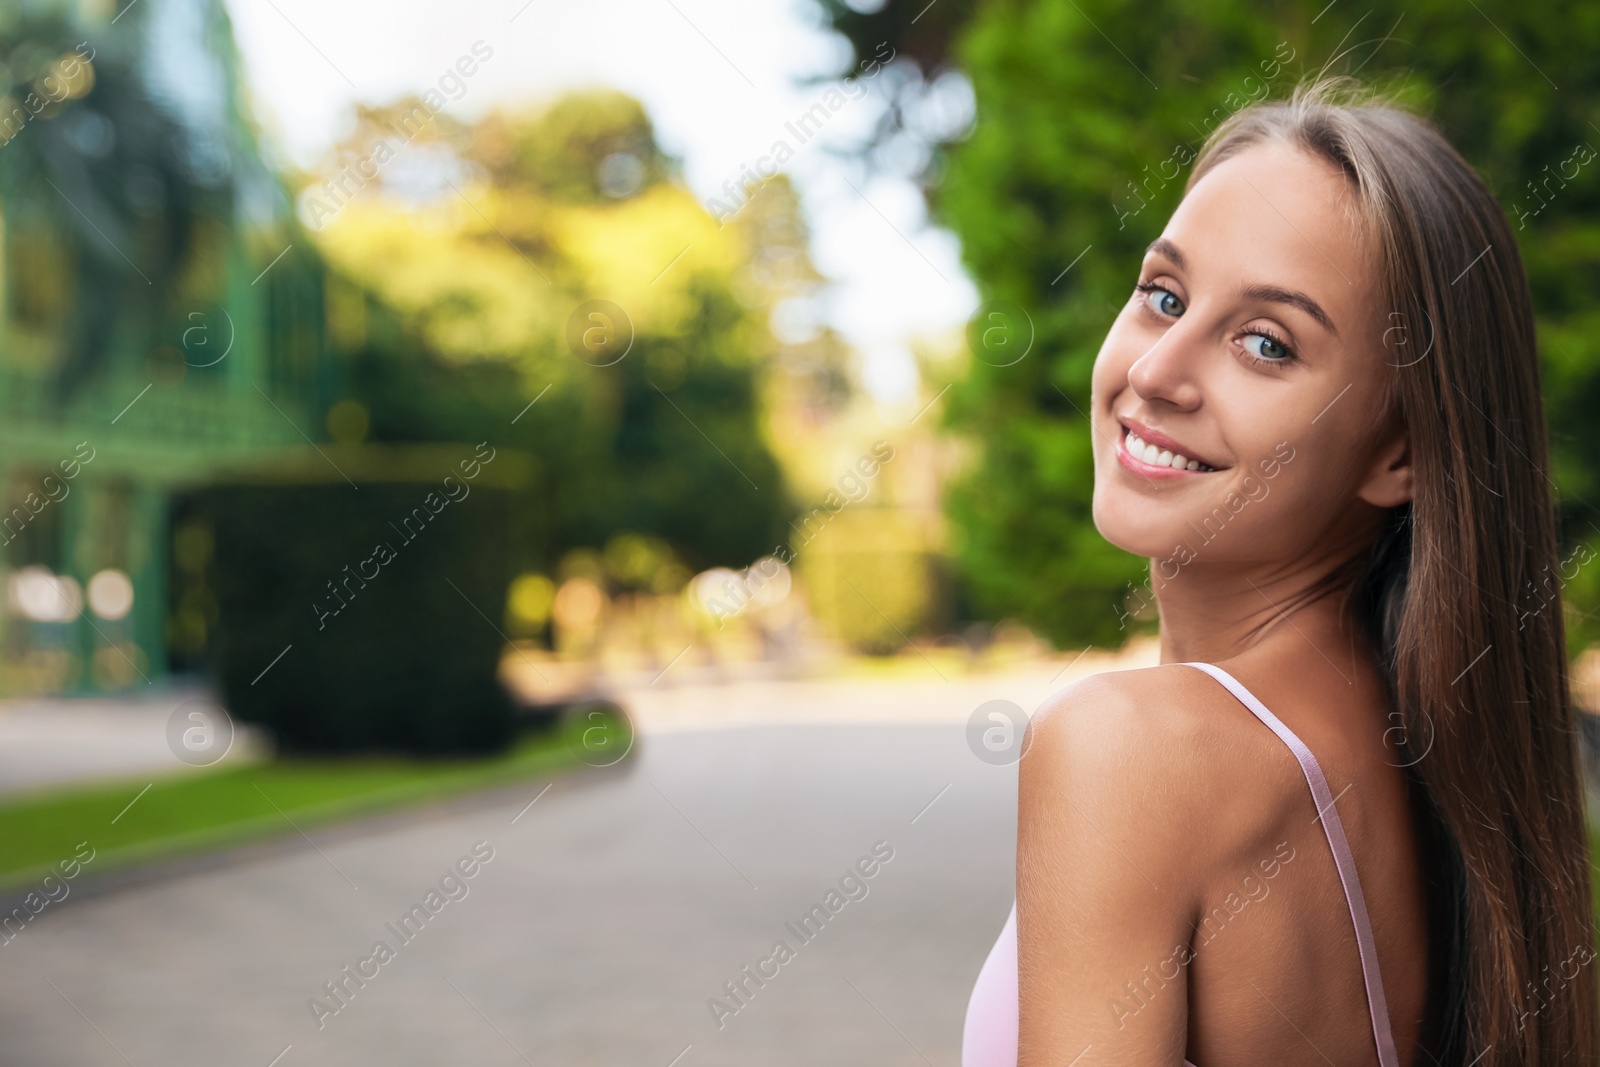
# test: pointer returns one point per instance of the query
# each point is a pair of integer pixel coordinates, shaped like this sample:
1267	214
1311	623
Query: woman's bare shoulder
1158	713
1162	749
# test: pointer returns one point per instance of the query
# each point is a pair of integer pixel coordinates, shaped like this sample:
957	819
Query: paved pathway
612	911
50	741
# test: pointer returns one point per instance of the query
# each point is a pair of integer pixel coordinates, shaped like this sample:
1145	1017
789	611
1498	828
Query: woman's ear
1388	482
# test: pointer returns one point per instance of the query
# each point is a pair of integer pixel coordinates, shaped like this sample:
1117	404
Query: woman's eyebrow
1278	295
1168	249
1275	294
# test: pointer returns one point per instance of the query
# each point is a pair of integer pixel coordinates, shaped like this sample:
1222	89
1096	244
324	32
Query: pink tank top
989	1038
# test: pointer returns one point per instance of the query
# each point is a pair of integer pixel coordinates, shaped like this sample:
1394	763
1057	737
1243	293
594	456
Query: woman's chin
1131	533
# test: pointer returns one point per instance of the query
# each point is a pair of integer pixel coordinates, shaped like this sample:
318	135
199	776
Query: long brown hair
1479	683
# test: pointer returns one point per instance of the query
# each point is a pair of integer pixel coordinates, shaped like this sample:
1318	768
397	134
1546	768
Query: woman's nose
1166	371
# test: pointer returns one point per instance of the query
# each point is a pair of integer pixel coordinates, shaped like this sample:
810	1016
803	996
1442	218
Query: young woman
1342	822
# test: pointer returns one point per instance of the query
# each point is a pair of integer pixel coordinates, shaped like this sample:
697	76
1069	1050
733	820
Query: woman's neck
1217	612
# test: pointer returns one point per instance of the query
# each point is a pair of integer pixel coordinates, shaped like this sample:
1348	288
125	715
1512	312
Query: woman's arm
1109	844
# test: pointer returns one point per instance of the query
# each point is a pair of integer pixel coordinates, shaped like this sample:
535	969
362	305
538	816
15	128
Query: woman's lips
1148	459
1143	436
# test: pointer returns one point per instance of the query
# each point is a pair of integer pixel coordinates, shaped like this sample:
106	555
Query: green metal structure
161	321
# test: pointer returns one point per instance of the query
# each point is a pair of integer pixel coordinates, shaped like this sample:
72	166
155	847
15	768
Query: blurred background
675	407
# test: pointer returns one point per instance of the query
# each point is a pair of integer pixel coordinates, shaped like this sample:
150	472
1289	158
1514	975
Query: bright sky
719	78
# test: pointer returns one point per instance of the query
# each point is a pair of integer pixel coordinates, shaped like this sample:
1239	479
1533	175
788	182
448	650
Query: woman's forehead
1275	215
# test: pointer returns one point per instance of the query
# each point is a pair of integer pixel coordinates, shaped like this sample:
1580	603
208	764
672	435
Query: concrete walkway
613	911
616	907
51	741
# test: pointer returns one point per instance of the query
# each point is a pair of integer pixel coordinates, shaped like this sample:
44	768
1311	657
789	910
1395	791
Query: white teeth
1161	457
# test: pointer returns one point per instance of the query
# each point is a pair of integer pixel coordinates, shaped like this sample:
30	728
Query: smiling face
1237	397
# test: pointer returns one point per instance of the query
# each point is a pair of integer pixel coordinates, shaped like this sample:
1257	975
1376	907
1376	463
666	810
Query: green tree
487	245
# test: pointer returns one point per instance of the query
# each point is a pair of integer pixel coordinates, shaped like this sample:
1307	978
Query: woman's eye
1163	303
1263	347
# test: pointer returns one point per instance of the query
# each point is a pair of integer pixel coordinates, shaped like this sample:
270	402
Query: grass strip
208	808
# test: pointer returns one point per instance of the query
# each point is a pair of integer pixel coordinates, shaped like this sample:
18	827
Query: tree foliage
489	243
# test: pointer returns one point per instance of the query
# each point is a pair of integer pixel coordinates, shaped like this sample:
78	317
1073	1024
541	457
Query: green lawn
210	808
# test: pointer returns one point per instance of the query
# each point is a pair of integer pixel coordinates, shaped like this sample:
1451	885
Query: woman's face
1236	398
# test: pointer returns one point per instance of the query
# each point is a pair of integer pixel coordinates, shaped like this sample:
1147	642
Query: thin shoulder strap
1343	859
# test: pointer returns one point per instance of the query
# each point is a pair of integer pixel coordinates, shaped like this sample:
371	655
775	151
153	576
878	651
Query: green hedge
383	597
